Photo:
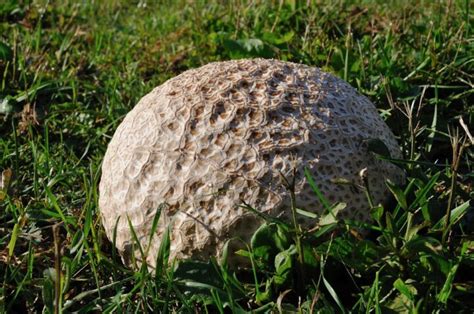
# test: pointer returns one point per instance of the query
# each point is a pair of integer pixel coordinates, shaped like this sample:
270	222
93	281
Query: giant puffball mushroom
212	138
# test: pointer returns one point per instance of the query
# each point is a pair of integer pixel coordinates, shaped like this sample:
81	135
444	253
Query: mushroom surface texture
212	138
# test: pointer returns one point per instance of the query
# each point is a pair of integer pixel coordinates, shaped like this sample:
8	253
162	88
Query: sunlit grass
70	71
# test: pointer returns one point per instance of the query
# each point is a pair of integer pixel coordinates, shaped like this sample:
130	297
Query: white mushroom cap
214	137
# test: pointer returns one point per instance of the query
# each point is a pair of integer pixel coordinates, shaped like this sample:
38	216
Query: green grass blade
316	190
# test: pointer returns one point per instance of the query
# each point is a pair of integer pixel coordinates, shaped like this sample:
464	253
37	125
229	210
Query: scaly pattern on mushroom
214	137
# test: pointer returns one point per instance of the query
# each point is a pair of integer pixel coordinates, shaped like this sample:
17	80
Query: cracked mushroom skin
212	138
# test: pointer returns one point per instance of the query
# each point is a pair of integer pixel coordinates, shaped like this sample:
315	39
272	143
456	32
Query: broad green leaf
398	193
243	253
445	292
467	246
311	259
422	244
377	213
196	279
278	39
331	216
285	38
414	229
284	265
403	302
389	223
403	288
225	253
263	297
268	240
455	216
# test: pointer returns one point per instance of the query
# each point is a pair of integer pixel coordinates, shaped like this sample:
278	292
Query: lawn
71	70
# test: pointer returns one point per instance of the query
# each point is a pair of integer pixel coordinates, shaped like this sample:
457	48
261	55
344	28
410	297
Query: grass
70	71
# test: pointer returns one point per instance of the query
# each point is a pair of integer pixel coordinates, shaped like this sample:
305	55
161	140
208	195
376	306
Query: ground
71	70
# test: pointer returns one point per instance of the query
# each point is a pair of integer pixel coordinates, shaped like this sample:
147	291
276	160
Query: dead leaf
5	182
29	117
